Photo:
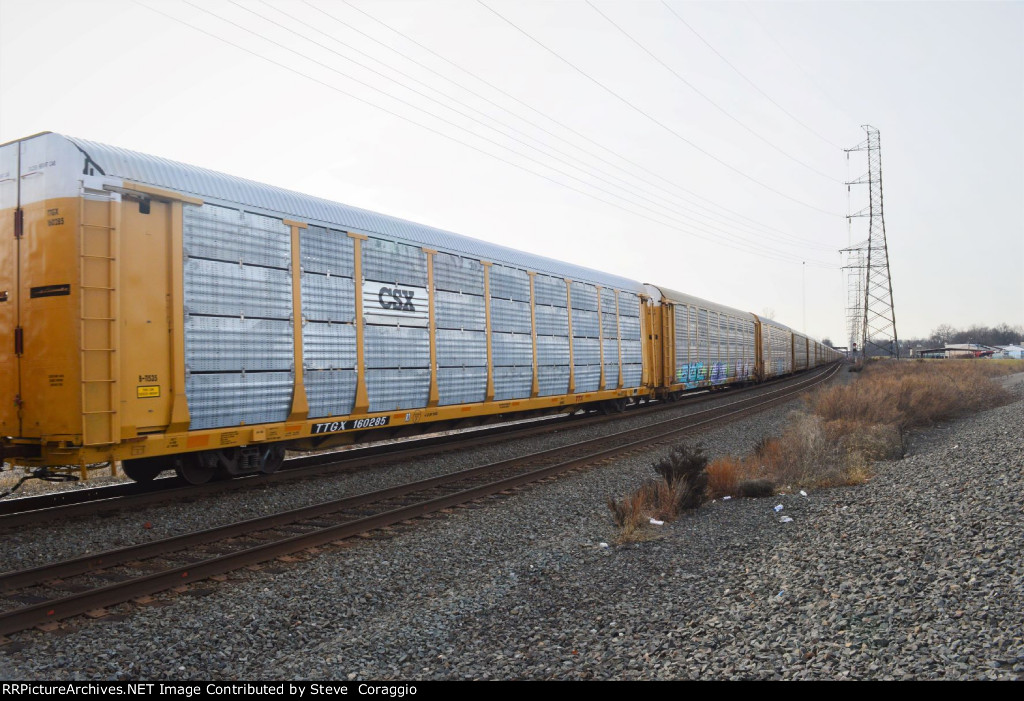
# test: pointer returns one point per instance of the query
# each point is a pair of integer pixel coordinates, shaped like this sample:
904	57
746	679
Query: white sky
679	192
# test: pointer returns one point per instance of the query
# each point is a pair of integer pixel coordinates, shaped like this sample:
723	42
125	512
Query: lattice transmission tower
869	261
855	270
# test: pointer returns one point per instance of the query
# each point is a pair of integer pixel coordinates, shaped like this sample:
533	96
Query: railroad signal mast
870	278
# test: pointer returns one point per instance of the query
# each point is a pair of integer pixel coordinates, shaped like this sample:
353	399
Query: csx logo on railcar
397	299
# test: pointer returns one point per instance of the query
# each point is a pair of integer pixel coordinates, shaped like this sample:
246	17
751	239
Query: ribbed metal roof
218	188
683	298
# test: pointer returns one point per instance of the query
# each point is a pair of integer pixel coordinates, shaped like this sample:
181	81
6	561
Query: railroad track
89	584
81	502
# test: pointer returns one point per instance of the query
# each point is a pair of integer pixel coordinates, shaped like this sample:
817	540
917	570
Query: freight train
171	317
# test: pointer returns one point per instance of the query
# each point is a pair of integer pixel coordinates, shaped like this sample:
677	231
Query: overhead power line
654	119
736	216
755	245
742	75
717	106
785	52
572	162
767	253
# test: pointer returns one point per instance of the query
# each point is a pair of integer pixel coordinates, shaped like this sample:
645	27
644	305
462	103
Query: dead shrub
630	514
684	472
683	486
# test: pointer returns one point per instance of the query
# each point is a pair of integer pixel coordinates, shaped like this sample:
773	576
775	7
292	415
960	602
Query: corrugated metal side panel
553	380
553	350
229	399
611	352
329	346
326	251
328	298
584	296
587	378
230	235
396	347
226	344
551	321
629	327
682	317
460	311
229	289
330	392
388	261
461	385
584	323
549	290
692	339
458	274
510	317
392	389
609	323
611	375
632	374
510	283
218	188
629	304
607	300
586	351
631	352
512	349
457	348
512	382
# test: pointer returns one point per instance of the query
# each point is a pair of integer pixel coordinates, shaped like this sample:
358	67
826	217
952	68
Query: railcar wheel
197	468
271	459
145	469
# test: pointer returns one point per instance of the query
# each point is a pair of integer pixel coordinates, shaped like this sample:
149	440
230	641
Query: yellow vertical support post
180	417
434	396
668	335
758	352
535	388
568	313
600	336
300	403
362	403
488	330
646	329
618	337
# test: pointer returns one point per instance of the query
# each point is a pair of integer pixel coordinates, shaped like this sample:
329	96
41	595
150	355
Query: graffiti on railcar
691	374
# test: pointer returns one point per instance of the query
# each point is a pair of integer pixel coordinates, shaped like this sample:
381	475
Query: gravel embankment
917	574
65	538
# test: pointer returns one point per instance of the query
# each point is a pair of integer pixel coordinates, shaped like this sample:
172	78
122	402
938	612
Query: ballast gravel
917	574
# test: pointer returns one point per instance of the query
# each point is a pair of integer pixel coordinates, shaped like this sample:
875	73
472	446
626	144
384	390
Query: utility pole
878	320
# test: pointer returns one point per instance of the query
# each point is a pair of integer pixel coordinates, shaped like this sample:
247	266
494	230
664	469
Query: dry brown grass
724	475
847	430
910	394
853	426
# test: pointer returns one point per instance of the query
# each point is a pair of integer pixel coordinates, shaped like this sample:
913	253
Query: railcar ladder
99	308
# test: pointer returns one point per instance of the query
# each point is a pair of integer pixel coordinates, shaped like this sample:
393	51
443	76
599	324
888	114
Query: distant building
959	350
1011	351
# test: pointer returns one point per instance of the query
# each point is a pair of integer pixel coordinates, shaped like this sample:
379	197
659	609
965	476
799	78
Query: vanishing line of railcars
170	316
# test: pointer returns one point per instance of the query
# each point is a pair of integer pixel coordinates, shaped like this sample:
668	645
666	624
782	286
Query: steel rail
64	504
21	618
